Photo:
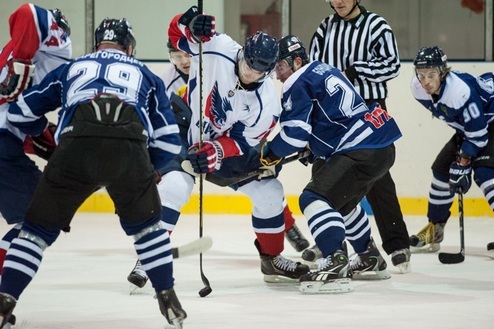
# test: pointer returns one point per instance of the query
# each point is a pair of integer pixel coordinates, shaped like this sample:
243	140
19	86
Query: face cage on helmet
240	58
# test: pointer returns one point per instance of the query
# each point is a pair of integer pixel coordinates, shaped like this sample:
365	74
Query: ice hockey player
116	130
323	111
466	103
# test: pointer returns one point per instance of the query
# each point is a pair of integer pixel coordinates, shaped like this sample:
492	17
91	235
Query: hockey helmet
261	52
115	30
61	20
170	46
428	57
291	47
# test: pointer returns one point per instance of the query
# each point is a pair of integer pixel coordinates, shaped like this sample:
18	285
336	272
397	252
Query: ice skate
312	254
138	276
332	277
278	269
296	238
7	305
369	265
490	250
428	239
170	307
401	259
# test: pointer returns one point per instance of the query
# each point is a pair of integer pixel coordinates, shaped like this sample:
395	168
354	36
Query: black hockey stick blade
207	287
452	258
223	181
456	258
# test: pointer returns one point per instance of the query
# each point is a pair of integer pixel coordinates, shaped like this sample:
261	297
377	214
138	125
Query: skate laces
284	264
427	233
322	263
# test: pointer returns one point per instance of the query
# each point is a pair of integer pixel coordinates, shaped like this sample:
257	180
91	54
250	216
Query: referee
363	46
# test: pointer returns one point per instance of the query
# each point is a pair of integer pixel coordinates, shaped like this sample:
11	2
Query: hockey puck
205	291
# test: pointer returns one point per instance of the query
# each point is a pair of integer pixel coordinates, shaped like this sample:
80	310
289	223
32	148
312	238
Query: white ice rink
82	284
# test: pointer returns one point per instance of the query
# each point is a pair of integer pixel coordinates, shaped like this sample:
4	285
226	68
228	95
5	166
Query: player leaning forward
116	129
241	108
322	111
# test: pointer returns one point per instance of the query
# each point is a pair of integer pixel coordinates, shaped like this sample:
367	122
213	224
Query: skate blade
279	279
338	286
490	253
175	321
372	275
404	267
430	248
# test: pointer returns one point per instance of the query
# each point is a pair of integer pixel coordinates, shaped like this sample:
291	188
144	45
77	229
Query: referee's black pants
386	208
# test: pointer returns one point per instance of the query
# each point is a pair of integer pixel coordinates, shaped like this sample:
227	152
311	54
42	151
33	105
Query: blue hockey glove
460	178
268	158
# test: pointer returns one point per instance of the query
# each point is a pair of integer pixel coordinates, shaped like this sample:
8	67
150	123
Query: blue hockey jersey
465	103
109	71
322	110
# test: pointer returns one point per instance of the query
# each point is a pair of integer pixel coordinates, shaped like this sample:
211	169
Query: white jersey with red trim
245	117
35	37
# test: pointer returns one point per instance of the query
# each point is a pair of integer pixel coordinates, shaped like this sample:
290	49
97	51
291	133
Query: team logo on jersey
217	108
287	106
231	93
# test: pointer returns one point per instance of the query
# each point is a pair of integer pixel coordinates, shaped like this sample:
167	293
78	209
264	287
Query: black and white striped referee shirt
364	47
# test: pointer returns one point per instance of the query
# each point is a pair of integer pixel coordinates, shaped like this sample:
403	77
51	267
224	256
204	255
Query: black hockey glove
198	27
460	178
206	159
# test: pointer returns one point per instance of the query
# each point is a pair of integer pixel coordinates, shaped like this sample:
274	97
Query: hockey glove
18	79
268	158
42	145
460	178
206	159
199	27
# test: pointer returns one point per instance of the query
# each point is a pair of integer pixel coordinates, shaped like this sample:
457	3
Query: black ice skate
401	259
490	249
138	276
369	265
170	307
278	269
332	277
296	238
312	254
428	239
7	305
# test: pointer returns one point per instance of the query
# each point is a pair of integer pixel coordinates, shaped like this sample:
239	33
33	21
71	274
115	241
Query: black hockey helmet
61	20
291	47
428	57
261	52
115	30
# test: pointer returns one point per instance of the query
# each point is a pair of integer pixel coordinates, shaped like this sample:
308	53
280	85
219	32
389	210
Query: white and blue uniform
35	37
322	111
466	103
81	80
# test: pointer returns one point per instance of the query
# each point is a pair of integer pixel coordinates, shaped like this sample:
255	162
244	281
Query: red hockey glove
198	27
42	145
206	159
18	79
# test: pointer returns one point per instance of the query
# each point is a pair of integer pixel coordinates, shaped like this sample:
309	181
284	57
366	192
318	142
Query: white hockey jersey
239	119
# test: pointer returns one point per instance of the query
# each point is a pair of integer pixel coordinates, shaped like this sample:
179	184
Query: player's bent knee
175	195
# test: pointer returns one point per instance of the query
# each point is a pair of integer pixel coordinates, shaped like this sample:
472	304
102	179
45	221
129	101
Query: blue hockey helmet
61	20
115	30
428	57
261	52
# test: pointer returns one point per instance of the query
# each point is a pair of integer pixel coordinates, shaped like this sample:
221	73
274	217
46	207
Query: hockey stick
223	181
192	248
207	287
452	258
